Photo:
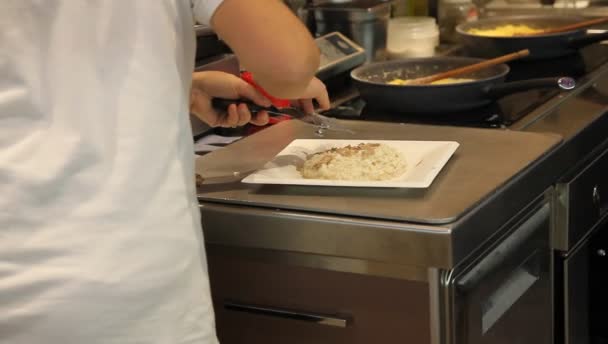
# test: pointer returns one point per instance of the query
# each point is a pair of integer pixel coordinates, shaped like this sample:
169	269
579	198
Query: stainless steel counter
373	224
484	161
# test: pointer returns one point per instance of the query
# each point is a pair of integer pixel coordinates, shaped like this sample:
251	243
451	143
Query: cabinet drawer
582	202
268	303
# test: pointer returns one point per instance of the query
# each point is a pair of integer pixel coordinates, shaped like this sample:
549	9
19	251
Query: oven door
581	287
506	296
598	286
572	295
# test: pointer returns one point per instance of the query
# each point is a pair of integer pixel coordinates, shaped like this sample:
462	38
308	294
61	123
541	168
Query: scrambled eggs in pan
438	82
506	31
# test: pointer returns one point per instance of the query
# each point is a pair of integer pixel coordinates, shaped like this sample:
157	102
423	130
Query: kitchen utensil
279	107
542	46
469	69
488	85
322	122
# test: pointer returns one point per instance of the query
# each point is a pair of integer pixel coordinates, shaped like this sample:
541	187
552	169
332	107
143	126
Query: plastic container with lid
412	37
451	13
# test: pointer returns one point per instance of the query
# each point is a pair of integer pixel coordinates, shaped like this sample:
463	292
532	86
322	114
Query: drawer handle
596	195
597	200
288	314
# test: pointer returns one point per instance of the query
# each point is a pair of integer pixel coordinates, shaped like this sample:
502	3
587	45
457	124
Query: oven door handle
494	259
327	320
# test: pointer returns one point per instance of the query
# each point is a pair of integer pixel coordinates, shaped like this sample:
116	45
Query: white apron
100	237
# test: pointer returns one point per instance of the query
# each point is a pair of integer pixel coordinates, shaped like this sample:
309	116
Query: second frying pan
542	46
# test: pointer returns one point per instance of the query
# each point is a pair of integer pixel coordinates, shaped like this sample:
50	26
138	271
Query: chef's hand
210	84
316	90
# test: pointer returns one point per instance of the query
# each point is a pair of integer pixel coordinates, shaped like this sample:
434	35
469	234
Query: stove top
502	112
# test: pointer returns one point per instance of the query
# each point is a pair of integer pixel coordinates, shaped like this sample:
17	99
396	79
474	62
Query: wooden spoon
570	27
468	69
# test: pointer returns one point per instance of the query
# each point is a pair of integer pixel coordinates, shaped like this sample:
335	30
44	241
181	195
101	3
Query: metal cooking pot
488	85
363	21
540	46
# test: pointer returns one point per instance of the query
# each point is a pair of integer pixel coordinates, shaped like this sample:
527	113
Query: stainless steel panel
506	296
441	306
315	234
576	296
323	262
598	284
496	257
485	161
274	303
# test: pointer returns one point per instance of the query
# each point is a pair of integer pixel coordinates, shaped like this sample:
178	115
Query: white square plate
424	160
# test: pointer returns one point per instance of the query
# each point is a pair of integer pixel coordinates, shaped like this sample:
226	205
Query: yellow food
506	31
438	82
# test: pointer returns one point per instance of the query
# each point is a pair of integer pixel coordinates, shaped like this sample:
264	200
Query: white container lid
412	36
412	27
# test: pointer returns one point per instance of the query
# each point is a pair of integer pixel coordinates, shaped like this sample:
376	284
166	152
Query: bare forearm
270	42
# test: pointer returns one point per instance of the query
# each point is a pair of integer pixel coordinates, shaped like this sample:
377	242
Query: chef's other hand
316	90
210	84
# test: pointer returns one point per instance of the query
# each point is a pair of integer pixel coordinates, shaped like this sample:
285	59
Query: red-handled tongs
279	107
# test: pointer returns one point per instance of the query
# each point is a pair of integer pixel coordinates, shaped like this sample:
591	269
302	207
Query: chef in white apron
100	237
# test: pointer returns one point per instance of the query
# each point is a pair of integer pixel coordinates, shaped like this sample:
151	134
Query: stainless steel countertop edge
361	217
326	235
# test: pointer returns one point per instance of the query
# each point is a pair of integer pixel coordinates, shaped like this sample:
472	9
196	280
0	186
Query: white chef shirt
100	236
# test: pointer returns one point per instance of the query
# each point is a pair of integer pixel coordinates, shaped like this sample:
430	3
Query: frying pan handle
501	90
590	38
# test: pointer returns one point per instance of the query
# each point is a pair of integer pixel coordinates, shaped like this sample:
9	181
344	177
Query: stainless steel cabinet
506	296
257	302
581	208
582	287
598	288
503	294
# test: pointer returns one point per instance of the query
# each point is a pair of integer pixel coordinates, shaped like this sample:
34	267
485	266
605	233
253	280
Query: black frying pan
540	46
372	80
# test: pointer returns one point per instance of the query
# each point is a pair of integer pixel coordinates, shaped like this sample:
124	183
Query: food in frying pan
438	82
506	31
363	162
